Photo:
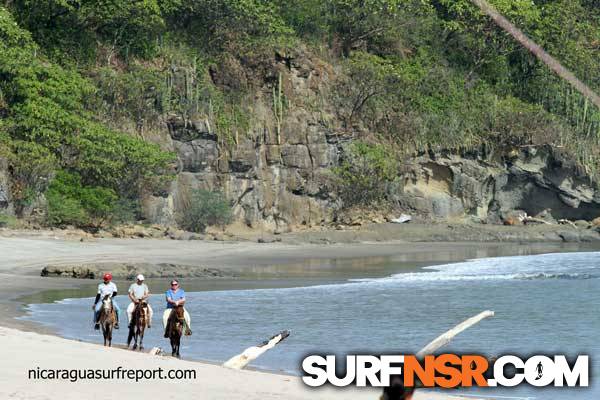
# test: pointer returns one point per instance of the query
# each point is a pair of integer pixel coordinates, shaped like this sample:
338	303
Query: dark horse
107	319
175	325
137	326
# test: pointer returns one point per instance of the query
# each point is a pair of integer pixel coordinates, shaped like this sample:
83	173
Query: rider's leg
188	320
97	315
130	309
165	318
150	314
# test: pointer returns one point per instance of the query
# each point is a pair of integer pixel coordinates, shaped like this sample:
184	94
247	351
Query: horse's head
179	312
107	303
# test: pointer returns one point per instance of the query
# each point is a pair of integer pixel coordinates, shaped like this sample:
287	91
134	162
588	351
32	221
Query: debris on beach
240	361
403	218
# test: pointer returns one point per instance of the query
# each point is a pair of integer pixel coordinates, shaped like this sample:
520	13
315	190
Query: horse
107	319
137	325
175	325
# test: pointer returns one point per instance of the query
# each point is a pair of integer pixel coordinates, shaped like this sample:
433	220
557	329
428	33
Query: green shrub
125	211
365	174
8	221
205	209
31	167
46	112
70	203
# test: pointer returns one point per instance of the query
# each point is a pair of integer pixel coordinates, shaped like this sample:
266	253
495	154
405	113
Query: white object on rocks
156	351
402	219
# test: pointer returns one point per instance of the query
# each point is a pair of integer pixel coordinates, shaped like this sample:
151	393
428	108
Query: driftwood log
252	353
567	222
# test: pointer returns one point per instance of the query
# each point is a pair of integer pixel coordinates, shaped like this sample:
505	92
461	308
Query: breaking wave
576	266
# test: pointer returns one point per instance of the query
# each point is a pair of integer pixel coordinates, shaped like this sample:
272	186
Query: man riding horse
176	297
139	292
106	288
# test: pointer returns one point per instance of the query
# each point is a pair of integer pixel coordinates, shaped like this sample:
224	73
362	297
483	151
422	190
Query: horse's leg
129	337
137	338
142	338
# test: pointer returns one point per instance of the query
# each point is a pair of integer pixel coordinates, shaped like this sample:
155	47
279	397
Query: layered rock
274	180
536	180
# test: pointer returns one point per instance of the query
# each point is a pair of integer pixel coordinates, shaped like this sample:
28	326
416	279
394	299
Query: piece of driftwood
403	218
536	220
567	222
448	336
252	353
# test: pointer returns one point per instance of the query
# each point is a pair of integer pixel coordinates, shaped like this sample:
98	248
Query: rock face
274	181
280	178
539	181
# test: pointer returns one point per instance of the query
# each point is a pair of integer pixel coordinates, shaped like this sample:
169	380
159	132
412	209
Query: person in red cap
105	288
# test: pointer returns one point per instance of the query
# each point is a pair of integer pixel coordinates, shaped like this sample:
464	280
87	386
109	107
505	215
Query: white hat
140	277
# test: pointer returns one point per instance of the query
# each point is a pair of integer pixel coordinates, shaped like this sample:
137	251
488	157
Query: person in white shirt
107	287
139	291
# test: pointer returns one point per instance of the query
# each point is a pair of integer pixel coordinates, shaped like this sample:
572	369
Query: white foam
545	266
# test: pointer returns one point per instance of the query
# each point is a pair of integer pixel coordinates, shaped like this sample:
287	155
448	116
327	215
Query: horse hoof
141	348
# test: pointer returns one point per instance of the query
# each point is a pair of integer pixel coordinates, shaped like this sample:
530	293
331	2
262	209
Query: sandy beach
28	347
28	350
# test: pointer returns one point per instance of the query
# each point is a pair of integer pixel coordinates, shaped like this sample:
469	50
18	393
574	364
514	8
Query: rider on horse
138	291
106	288
175	297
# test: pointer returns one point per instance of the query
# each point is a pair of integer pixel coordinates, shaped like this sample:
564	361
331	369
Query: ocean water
544	304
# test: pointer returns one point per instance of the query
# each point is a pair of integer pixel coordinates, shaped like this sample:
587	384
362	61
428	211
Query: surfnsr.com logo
447	371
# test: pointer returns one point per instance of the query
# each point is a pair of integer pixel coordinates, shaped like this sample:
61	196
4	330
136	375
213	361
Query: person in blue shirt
175	296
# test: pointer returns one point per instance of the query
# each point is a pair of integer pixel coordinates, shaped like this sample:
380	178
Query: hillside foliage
82	82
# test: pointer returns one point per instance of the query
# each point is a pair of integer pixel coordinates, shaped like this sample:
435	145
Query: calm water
544	304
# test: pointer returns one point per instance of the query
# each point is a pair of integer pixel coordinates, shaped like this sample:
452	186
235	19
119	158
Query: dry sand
23	351
21	259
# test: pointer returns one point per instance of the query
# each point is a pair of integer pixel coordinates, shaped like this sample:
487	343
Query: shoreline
26	256
268	263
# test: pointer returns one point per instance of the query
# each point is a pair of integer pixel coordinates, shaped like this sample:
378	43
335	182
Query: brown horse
107	319
137	326
175	325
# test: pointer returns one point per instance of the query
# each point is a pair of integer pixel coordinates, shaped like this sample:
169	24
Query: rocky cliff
276	174
541	181
280	179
